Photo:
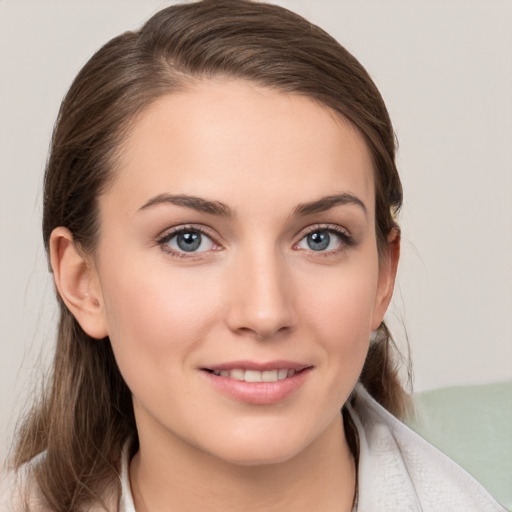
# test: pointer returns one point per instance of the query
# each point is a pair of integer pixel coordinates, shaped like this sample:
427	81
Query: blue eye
188	241
318	241
322	240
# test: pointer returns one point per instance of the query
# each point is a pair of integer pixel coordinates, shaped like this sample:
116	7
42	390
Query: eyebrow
217	208
326	203
193	202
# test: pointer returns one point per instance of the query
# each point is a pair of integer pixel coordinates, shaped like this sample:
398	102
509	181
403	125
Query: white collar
126	501
401	472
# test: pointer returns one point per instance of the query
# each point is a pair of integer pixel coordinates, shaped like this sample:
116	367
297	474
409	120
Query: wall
445	71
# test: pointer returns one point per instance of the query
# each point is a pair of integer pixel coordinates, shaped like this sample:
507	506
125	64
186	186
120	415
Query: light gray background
445	71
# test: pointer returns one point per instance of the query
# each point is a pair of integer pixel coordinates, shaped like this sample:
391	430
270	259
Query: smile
255	375
258	383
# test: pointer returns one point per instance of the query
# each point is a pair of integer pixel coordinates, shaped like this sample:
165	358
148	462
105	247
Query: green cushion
473	426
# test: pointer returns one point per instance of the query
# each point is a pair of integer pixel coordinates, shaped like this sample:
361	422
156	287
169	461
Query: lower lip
258	393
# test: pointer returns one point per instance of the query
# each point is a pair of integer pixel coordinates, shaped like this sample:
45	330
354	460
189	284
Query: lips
258	383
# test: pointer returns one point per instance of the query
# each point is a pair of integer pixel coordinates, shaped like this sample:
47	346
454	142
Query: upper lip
259	366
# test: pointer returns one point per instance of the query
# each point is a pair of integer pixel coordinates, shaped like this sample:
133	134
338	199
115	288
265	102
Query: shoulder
400	471
19	492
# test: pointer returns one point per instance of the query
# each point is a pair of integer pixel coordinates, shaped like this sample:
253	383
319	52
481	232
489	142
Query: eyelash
163	240
346	240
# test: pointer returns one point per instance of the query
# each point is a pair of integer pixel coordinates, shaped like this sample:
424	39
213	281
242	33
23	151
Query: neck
321	478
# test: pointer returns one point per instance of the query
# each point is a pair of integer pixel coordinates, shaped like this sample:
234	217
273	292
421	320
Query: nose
261	299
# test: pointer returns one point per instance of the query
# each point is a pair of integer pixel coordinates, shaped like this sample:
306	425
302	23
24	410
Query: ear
77	282
387	275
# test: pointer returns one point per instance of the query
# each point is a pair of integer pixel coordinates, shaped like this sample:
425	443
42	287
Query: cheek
340	314
155	318
343	302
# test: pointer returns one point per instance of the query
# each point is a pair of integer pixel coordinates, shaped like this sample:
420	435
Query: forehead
224	136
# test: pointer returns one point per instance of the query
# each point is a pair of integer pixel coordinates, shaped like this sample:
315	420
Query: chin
259	457
263	448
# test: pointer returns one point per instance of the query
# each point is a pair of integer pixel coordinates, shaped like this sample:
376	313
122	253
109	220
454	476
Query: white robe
401	472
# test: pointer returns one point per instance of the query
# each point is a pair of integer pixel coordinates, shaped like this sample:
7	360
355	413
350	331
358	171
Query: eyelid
168	232
163	238
332	228
347	240
324	227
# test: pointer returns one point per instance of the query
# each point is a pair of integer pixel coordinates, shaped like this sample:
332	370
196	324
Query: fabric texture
401	472
472	424
398	471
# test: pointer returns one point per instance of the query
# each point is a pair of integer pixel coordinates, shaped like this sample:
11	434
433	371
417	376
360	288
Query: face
238	271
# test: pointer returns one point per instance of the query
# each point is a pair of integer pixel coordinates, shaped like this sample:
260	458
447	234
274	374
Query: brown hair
85	414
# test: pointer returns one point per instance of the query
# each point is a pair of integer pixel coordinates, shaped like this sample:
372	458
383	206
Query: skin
255	290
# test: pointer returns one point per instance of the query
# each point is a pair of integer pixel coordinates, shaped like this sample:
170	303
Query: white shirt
401	472
398	470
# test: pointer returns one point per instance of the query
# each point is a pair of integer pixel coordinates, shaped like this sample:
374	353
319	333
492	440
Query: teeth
269	376
237	374
255	375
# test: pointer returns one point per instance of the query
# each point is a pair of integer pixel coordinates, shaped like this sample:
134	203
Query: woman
219	213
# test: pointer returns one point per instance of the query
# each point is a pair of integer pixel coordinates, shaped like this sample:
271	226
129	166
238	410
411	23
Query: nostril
262	333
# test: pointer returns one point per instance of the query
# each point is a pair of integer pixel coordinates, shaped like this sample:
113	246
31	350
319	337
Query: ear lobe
387	276
77	283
